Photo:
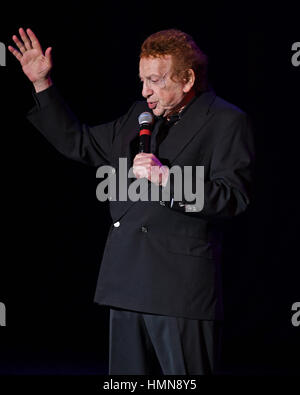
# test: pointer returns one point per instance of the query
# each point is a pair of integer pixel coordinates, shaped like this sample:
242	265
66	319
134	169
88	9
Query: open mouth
152	105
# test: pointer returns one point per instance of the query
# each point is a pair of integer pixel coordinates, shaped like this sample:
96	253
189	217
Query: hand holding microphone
146	164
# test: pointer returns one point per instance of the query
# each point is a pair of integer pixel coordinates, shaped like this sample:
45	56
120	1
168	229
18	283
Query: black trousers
143	344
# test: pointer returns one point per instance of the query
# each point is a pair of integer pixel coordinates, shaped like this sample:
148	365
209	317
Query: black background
53	227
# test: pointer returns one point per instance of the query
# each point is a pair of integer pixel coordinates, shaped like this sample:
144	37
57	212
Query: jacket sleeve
89	145
228	189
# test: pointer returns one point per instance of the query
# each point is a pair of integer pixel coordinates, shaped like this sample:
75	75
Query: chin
158	111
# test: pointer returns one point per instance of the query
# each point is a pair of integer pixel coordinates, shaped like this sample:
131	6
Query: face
163	94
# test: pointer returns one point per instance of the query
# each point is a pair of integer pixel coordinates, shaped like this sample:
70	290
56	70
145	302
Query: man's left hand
148	166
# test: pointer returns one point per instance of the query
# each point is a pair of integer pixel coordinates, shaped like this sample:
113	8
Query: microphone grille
145	117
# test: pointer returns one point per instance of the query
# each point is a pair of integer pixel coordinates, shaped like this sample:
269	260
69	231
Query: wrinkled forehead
155	65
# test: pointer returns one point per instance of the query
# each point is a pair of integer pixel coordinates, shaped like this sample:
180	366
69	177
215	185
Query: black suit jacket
162	259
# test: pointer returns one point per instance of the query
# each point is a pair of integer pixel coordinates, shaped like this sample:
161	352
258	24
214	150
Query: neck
186	99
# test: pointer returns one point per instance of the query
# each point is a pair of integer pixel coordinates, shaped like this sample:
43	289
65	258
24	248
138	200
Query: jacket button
117	224
144	229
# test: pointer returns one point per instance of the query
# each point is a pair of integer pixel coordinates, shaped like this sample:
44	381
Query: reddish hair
185	54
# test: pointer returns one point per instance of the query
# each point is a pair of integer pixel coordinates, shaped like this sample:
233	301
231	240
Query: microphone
146	120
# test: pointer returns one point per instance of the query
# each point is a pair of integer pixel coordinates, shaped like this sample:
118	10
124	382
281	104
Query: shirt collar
174	118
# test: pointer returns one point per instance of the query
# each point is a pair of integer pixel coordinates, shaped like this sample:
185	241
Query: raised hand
35	64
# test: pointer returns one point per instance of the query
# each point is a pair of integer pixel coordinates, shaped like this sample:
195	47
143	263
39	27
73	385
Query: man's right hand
35	64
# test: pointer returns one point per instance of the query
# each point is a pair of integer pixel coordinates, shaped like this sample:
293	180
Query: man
160	272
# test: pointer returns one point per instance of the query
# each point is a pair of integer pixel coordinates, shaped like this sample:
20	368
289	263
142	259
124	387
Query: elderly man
160	272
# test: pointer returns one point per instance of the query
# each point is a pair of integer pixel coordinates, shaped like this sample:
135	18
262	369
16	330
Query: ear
189	81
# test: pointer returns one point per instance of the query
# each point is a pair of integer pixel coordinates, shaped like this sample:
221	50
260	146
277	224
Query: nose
146	91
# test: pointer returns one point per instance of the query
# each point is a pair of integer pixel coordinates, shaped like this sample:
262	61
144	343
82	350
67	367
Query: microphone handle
145	137
144	145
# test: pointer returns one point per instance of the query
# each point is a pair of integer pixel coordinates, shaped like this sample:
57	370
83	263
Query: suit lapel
192	121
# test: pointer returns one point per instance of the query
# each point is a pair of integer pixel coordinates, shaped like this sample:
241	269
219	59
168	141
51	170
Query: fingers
29	41
25	39
141	172
155	174
19	44
143	156
16	53
48	54
146	165
147	159
34	41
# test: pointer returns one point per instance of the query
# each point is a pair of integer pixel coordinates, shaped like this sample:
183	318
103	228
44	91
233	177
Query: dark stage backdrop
53	227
